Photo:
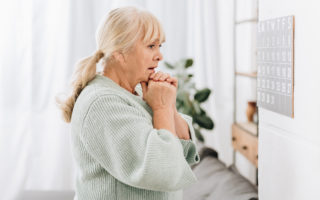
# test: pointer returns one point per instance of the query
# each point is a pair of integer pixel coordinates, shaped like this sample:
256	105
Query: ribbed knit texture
118	153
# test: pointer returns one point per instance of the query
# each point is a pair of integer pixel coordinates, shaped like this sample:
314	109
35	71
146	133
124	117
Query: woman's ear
119	57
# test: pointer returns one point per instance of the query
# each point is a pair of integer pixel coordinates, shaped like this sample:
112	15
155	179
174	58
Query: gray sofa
218	182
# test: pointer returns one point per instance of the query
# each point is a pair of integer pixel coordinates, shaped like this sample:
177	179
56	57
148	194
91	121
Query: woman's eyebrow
155	41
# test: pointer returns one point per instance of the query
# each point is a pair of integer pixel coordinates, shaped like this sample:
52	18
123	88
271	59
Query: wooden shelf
249	127
245	142
250	20
247	74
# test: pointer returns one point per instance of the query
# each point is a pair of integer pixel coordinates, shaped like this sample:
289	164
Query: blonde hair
118	33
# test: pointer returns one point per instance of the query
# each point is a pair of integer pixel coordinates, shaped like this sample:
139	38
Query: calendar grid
275	65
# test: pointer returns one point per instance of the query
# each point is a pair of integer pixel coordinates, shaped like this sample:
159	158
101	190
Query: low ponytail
85	72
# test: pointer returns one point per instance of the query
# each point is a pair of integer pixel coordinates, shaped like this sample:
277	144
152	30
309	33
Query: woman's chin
145	79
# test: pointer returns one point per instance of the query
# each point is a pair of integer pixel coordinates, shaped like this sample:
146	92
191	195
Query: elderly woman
129	142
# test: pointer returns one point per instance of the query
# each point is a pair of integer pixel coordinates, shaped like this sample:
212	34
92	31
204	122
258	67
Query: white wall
289	149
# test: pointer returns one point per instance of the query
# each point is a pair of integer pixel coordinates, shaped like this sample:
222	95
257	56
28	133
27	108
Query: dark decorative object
251	110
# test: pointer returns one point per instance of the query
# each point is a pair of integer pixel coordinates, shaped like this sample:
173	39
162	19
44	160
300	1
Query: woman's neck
118	76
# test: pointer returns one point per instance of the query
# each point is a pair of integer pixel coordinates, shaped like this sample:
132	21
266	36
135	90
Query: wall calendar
275	65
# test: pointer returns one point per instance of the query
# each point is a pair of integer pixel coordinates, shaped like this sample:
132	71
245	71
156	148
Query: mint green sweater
118	153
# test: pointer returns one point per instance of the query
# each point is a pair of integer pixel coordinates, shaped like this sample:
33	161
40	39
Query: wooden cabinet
246	142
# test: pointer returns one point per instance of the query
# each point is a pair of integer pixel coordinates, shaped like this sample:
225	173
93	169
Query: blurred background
40	42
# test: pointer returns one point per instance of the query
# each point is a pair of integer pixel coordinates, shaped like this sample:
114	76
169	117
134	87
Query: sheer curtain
39	43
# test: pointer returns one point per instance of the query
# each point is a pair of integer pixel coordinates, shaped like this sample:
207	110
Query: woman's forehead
143	42
156	41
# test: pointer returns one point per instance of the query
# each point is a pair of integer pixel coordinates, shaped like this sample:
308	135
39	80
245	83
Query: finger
173	81
169	80
157	76
164	76
152	75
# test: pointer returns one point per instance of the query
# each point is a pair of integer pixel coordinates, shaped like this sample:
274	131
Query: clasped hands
160	91
160	76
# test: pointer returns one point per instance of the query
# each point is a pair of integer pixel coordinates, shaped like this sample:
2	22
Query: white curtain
40	41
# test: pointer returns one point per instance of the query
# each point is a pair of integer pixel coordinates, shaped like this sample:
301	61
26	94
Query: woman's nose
159	56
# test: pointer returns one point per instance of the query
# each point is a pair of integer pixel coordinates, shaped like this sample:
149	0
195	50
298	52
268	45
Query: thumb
144	87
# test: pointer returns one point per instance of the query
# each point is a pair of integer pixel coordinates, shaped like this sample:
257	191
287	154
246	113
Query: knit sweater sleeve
123	141
189	146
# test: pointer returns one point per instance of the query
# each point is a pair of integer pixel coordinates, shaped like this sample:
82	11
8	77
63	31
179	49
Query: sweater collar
107	82
110	83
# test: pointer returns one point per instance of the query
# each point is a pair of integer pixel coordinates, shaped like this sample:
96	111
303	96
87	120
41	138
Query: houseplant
189	98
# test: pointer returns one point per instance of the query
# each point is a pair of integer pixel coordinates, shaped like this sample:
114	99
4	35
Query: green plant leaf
199	135
202	112
203	121
197	108
202	95
168	65
189	63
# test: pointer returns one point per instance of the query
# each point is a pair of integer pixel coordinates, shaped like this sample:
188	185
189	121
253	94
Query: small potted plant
189	98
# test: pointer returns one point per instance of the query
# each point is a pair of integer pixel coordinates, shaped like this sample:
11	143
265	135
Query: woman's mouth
151	69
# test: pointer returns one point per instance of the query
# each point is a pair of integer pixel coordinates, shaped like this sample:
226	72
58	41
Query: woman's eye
151	46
